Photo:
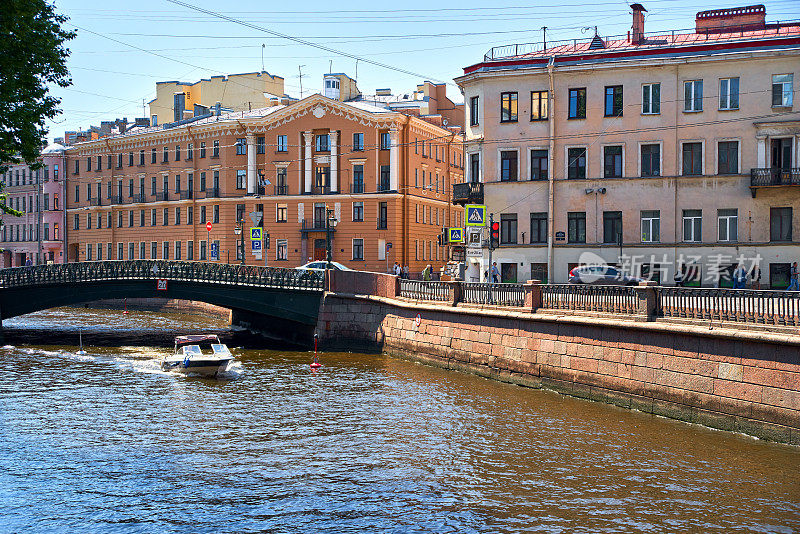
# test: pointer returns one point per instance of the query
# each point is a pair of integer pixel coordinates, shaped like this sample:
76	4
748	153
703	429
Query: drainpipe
551	173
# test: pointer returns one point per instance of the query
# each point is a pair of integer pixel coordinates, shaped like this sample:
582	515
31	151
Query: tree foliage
32	55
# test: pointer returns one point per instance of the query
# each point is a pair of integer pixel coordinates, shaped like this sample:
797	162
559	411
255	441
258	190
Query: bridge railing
251	275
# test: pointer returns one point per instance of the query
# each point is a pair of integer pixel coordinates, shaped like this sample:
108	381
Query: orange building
385	176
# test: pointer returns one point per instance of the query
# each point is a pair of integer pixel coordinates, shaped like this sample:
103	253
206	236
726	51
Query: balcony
773	178
212	192
117	199
281	189
357	187
384	185
186	195
468	193
162	196
314	225
95	201
140	198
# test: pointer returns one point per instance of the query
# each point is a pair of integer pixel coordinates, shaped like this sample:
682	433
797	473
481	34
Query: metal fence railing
496	294
248	275
609	299
424	290
736	305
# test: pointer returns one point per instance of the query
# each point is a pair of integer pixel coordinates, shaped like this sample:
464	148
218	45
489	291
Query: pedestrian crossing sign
255	234
476	215
455	235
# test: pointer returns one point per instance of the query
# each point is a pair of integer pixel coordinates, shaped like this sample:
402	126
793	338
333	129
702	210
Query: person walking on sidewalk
426	274
793	279
495	273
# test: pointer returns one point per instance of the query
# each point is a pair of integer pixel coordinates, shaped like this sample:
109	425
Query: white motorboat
202	354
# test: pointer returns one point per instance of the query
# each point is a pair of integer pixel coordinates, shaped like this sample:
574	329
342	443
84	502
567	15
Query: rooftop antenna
300	70
356	68
262	56
330	66
544	37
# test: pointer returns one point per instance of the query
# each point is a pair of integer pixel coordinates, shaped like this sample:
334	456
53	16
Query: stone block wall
746	382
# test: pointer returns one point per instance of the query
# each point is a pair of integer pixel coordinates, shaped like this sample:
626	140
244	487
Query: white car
321	265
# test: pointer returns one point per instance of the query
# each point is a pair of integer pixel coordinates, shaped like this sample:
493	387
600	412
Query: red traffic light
495	227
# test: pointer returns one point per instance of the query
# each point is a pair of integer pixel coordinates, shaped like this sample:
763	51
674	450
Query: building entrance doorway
319	250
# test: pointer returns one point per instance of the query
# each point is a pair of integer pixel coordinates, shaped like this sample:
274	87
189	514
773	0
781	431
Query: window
88	221
781	91
141	158
153	155
780	224
76	171
651	160
202	214
538	227
577	103
692	226
164	157
729	93
651	226
241	146
282	250
166	250
358	142
88	252
165	221
190	215
474	168
508	228
190	250
177	184
539	164
283	143
260	145
100	160
538	105
612	161
383	216
240	212
153	250
728	157
613	101
281	213
386	141
215	149
88	168
727	223
323	143
576	226
612	227
153	217
576	163
215	212
693	95
358	211
153	186
508	166
177	216
508	107
358	249
189	155
692	159
141	217
202	155
178	250
130	219
203	246
241	179
474	119
177	152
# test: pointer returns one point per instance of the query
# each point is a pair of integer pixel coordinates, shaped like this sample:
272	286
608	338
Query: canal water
106	442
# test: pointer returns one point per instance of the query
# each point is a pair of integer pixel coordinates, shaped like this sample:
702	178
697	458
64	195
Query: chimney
736	19
638	23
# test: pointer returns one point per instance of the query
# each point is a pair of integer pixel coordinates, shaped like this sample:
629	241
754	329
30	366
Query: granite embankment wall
729	379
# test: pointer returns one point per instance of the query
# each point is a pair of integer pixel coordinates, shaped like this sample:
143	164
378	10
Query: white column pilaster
334	163
394	160
251	164
308	138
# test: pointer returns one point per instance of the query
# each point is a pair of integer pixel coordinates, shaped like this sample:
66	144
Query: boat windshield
220	349
192	349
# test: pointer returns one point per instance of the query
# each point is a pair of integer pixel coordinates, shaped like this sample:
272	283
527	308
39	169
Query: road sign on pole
214	251
255	234
256	217
455	235
475	215
208	226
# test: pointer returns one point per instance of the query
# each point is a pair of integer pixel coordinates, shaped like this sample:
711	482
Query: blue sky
123	48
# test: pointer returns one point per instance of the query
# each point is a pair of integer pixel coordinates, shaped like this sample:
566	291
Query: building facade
37	235
657	153
384	176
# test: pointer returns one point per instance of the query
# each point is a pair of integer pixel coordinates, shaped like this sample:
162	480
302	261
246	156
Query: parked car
601	275
321	265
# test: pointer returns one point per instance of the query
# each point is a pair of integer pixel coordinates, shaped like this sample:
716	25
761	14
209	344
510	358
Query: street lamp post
330	224
239	230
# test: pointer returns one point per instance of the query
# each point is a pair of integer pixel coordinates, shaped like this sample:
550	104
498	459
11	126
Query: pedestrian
495	273
793	281
28	263
426	273
396	269
739	277
756	277
405	272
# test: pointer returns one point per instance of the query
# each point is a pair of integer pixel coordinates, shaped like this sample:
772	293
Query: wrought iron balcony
384	185
117	199
212	192
185	195
314	225
468	193
163	195
320	189
281	189
95	201
357	187
773	178
141	197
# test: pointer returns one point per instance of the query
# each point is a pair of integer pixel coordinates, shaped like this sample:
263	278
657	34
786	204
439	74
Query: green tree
33	56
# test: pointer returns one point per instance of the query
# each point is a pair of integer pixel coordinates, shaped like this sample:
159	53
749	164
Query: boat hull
201	367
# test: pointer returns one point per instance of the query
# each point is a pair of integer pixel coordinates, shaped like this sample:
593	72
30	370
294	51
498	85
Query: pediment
323	109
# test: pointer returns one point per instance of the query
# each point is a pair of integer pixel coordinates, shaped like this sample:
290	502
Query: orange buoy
315	364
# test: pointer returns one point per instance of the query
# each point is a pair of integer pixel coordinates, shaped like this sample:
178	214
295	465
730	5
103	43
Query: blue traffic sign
214	253
255	246
476	215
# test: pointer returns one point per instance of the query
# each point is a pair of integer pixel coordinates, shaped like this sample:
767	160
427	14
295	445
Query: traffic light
266	240
494	237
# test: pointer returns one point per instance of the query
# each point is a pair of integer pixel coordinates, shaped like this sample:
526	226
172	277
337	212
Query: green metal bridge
283	301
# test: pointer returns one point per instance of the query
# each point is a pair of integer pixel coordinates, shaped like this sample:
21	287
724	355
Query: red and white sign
418	320
208	226
161	285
